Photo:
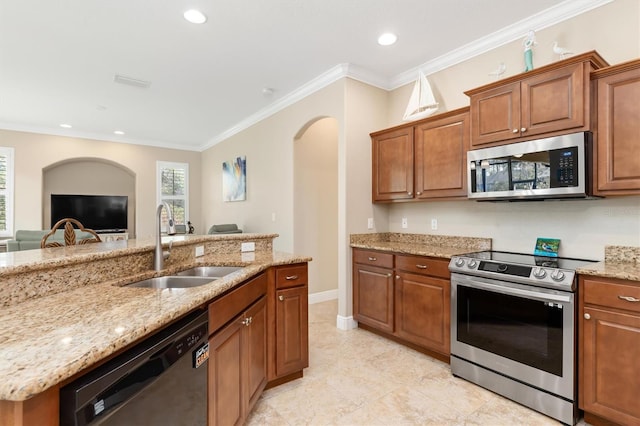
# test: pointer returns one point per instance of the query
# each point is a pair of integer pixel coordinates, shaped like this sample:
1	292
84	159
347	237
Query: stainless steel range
513	329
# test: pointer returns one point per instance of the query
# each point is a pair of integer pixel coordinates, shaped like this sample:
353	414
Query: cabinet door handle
291	277
389	275
524	129
418	193
246	322
409	193
397	277
515	130
281	298
372	259
421	266
587	316
628	298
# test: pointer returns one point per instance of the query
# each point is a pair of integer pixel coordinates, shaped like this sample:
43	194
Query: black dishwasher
161	381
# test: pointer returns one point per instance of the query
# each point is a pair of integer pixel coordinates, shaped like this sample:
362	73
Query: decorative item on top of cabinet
288	306
549	100
429	156
617	156
609	350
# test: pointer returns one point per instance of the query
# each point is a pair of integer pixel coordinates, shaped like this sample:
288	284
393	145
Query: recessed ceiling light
118	132
66	126
387	39
195	16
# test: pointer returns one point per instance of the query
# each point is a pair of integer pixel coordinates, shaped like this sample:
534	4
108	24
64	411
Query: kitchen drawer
612	294
373	258
423	265
225	308
291	276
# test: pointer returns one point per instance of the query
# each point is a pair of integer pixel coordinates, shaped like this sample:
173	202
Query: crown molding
318	83
72	133
561	12
554	15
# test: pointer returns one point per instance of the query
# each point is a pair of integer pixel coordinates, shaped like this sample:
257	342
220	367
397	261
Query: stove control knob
459	262
539	273
472	264
557	275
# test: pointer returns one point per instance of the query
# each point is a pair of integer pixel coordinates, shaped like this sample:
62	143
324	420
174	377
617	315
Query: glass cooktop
529	259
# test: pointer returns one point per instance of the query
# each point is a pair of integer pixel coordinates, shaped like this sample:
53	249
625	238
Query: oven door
523	332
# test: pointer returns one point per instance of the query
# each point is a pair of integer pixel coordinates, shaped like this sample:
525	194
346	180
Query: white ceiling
58	58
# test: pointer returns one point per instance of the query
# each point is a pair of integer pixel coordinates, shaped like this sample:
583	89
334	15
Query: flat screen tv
102	213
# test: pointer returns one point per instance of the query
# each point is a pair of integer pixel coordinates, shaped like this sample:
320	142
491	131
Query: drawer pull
372	259
628	298
291	277
281	298
421	266
587	316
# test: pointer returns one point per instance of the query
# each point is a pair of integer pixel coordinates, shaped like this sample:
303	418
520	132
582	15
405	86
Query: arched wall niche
88	176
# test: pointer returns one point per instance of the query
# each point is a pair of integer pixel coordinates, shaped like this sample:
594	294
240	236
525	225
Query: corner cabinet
422	160
609	350
404	297
617	153
288	305
550	100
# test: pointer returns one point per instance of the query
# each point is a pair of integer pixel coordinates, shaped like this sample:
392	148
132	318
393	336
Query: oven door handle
503	289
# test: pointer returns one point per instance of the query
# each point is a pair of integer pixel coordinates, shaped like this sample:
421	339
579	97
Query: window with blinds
6	192
173	188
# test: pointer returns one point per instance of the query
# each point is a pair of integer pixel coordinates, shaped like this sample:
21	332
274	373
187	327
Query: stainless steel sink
172	282
209	271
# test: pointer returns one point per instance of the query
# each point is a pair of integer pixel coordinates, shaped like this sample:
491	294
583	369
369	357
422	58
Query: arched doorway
315	205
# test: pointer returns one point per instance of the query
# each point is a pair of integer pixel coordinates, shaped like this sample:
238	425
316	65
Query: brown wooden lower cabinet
609	350
237	371
405	297
289	326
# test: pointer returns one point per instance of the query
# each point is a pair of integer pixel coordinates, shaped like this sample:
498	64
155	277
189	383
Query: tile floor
358	378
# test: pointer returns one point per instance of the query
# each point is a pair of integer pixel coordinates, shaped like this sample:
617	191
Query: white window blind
6	192
173	188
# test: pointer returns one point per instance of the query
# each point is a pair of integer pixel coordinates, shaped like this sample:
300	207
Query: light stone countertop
47	339
621	262
420	244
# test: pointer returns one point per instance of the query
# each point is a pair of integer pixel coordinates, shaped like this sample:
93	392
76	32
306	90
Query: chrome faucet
159	255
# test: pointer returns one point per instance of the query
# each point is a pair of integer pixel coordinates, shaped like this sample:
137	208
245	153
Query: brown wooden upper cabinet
549	100
422	160
617	155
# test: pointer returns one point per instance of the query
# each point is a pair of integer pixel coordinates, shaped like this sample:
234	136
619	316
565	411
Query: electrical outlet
405	223
273	217
199	251
370	223
434	224
248	247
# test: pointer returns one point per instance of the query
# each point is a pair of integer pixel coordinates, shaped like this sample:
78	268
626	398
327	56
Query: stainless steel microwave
555	167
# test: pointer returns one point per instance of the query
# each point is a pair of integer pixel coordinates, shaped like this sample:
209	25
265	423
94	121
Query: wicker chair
70	234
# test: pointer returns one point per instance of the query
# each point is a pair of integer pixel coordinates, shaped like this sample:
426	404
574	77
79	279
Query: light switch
405	223
370	223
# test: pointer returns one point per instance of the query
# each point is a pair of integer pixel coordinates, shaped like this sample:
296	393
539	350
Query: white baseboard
323	296
346	323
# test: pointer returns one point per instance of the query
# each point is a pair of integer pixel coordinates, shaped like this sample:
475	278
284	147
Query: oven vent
130	81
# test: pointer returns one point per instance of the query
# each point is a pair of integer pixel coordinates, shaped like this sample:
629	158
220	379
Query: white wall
268	146
35	152
583	226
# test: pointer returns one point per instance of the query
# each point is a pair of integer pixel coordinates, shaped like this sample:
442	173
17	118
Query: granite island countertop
443	246
48	339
